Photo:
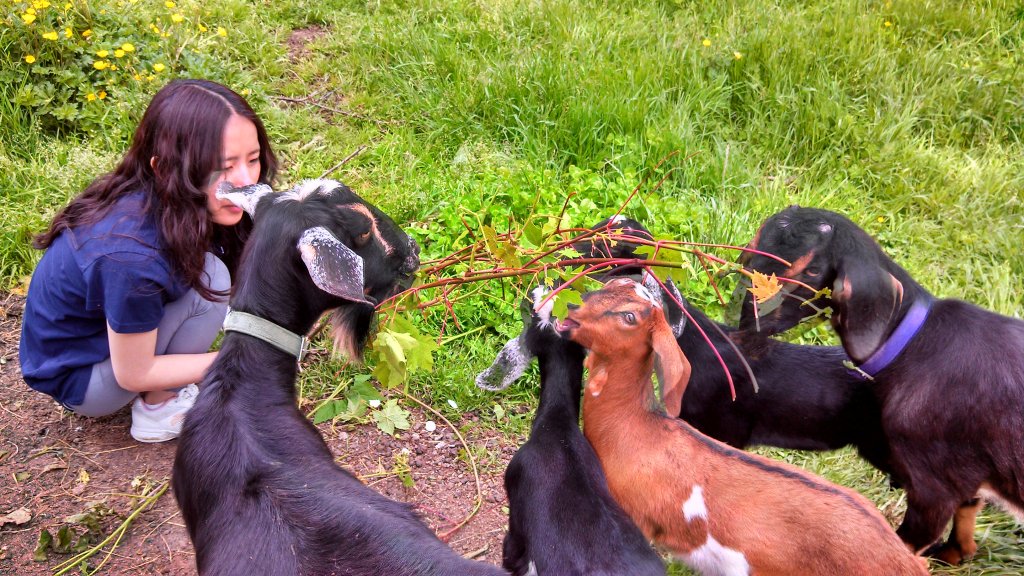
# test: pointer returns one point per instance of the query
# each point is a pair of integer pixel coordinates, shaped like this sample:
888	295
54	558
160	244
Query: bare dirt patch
299	41
56	464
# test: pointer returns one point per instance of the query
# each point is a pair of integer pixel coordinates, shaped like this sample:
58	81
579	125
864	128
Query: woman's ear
670	365
152	163
867	298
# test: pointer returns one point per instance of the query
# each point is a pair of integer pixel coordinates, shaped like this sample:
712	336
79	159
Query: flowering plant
74	63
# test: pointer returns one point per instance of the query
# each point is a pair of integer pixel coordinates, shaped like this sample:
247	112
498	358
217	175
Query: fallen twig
116	536
479	500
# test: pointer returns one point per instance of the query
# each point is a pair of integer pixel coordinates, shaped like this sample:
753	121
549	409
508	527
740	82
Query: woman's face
240	166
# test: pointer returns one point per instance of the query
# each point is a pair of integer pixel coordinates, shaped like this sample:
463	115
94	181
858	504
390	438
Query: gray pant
189	326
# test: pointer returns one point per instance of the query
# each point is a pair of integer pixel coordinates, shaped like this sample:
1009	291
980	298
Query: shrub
74	64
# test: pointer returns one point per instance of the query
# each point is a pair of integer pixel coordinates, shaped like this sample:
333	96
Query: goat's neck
694	344
561	379
276	302
627	396
912	291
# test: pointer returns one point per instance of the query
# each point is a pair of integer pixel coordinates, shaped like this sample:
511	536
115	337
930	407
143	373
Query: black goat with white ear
256	483
562	520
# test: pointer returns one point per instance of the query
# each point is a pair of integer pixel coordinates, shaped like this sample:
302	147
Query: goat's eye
812	271
363	238
629	318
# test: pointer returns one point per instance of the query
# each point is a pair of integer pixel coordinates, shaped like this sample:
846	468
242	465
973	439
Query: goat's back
954	399
782	519
262	495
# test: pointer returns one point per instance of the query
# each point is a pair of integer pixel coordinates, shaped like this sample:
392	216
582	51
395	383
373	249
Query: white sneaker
162	422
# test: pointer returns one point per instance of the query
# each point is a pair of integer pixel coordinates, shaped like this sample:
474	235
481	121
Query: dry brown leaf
764	287
17	517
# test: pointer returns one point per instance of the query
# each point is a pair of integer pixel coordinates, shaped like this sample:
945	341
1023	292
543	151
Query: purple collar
898	340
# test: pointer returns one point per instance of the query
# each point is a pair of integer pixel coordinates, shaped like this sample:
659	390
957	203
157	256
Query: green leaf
534	235
562	301
45	540
62	543
328	411
392	416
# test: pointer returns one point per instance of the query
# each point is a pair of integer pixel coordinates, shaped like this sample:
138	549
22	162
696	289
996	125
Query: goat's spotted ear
245	197
670	365
867	299
332	265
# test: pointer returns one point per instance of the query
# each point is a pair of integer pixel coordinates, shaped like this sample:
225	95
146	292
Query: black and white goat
257	486
806	398
948	375
562	520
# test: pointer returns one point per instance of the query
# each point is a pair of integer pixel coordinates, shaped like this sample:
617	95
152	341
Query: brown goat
720	510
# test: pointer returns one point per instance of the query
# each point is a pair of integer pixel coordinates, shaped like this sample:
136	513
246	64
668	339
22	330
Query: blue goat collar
267	331
898	340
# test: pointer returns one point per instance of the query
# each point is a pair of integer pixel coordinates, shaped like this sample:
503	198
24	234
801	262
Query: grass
905	116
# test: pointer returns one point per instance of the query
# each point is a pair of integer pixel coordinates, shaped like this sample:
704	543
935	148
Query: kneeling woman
131	291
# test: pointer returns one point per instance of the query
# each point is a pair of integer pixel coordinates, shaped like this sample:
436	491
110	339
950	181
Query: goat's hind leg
961	545
927	515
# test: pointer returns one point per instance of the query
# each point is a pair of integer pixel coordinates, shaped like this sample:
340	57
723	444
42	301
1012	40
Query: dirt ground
54	465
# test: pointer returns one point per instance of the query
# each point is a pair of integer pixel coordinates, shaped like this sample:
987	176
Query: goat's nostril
572	306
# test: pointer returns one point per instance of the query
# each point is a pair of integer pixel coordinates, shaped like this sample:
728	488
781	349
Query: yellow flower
119	53
86	33
67	5
706	42
50	35
177	18
28	18
169	4
113	67
888	24
102	53
137	77
127	47
737	55
881	218
202	28
221	31
101	64
68	33
158	67
150	78
40	4
90	96
30	58
101	95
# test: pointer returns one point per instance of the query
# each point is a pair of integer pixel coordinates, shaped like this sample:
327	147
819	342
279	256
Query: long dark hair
183	129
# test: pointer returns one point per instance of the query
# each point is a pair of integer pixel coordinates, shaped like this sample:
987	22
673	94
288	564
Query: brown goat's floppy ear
245	197
867	299
332	265
670	365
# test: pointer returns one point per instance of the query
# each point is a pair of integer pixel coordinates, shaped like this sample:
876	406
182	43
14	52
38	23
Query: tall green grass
907	116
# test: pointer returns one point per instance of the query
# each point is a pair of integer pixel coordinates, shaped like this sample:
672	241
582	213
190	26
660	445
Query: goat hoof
948	552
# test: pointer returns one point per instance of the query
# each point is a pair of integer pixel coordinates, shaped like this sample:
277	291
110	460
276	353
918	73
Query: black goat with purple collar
258	488
948	375
563	521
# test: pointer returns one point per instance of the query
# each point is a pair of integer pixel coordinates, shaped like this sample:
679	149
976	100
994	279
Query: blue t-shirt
113	271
